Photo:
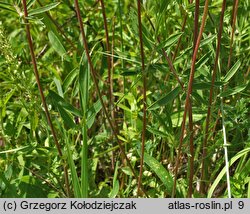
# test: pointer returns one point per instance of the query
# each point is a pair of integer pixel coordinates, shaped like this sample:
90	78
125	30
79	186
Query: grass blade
72	167
223	171
84	95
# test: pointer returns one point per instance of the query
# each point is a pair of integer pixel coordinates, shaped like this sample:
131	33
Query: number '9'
241	205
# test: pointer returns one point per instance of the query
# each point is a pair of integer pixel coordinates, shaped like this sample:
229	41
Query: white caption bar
124	206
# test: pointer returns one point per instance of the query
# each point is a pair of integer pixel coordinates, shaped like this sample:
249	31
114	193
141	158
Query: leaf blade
232	71
43	9
165	99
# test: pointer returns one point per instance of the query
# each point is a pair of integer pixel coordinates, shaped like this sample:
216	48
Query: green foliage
29	162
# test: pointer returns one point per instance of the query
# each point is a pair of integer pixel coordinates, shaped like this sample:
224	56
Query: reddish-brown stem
144	96
109	61
189	92
190	111
107	46
196	20
169	61
204	147
33	58
113	112
171	66
235	9
93	74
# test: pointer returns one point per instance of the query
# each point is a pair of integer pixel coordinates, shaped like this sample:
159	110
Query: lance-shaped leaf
165	99
232	71
43	9
57	46
162	173
170	41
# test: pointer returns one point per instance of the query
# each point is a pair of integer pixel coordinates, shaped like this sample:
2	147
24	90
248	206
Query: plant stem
189	92
33	58
144	96
204	147
225	147
190	111
113	112
235	9
109	61
107	47
169	61
93	73
196	21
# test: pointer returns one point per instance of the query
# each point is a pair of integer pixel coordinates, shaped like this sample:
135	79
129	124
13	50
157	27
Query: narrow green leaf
68	121
207	40
147	37
115	190
69	79
177	121
163	6
203	60
58	86
166	99
93	111
156	132
232	71
7	97
72	167
43	9
57	46
230	92
30	3
8	7
59	101
130	71
160	171
170	41
223	171
206	85
116	185
127	170
84	74
14	150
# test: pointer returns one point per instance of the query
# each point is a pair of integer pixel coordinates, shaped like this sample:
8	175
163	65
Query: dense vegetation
124	98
